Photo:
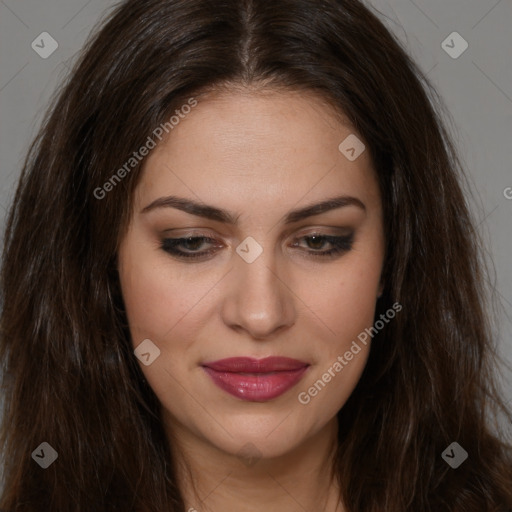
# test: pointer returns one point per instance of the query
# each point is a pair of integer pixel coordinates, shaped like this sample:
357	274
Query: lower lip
259	387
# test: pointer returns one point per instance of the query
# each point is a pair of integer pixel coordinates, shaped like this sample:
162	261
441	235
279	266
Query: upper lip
251	365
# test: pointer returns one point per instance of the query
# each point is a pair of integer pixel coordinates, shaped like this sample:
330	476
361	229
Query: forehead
258	146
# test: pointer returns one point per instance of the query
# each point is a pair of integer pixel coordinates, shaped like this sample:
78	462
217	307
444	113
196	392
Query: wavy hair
69	374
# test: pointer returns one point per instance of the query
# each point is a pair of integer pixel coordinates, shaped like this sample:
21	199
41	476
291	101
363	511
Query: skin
259	156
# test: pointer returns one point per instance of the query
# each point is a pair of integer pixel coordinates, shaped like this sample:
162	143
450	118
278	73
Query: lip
256	380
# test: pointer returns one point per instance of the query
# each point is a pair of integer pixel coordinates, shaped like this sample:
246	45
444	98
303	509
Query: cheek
343	299
345	306
343	303
156	295
146	298
158	304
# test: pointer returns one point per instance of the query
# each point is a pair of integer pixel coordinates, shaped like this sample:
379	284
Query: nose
259	300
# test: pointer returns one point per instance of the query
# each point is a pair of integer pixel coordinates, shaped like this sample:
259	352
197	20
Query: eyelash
341	245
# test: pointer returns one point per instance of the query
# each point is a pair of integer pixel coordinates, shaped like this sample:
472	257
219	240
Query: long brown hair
69	374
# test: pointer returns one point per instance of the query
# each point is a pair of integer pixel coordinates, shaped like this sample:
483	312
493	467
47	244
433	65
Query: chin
261	436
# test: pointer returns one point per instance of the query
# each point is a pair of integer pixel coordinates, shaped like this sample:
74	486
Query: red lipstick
256	380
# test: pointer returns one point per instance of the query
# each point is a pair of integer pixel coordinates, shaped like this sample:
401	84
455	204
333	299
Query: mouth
256	380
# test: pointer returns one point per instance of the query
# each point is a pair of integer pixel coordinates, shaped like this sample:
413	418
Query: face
232	252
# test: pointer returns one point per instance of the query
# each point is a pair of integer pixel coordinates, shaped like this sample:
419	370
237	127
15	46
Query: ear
381	290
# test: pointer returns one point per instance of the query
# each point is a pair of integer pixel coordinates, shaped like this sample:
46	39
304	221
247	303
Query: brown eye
340	244
191	244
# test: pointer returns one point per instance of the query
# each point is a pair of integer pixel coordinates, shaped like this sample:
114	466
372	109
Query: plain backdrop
476	87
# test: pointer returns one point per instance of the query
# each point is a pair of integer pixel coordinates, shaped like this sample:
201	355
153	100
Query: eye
191	243
189	247
340	244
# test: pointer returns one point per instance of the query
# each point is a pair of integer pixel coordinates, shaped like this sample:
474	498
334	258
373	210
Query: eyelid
341	244
323	231
319	230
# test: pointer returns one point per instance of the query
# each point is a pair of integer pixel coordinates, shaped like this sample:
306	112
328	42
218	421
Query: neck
212	480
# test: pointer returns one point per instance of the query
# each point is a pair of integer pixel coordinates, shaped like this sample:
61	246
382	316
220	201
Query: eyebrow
220	215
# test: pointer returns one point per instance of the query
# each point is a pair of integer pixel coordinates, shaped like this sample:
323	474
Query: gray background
477	89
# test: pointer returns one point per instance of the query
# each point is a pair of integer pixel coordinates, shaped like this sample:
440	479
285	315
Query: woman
240	274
